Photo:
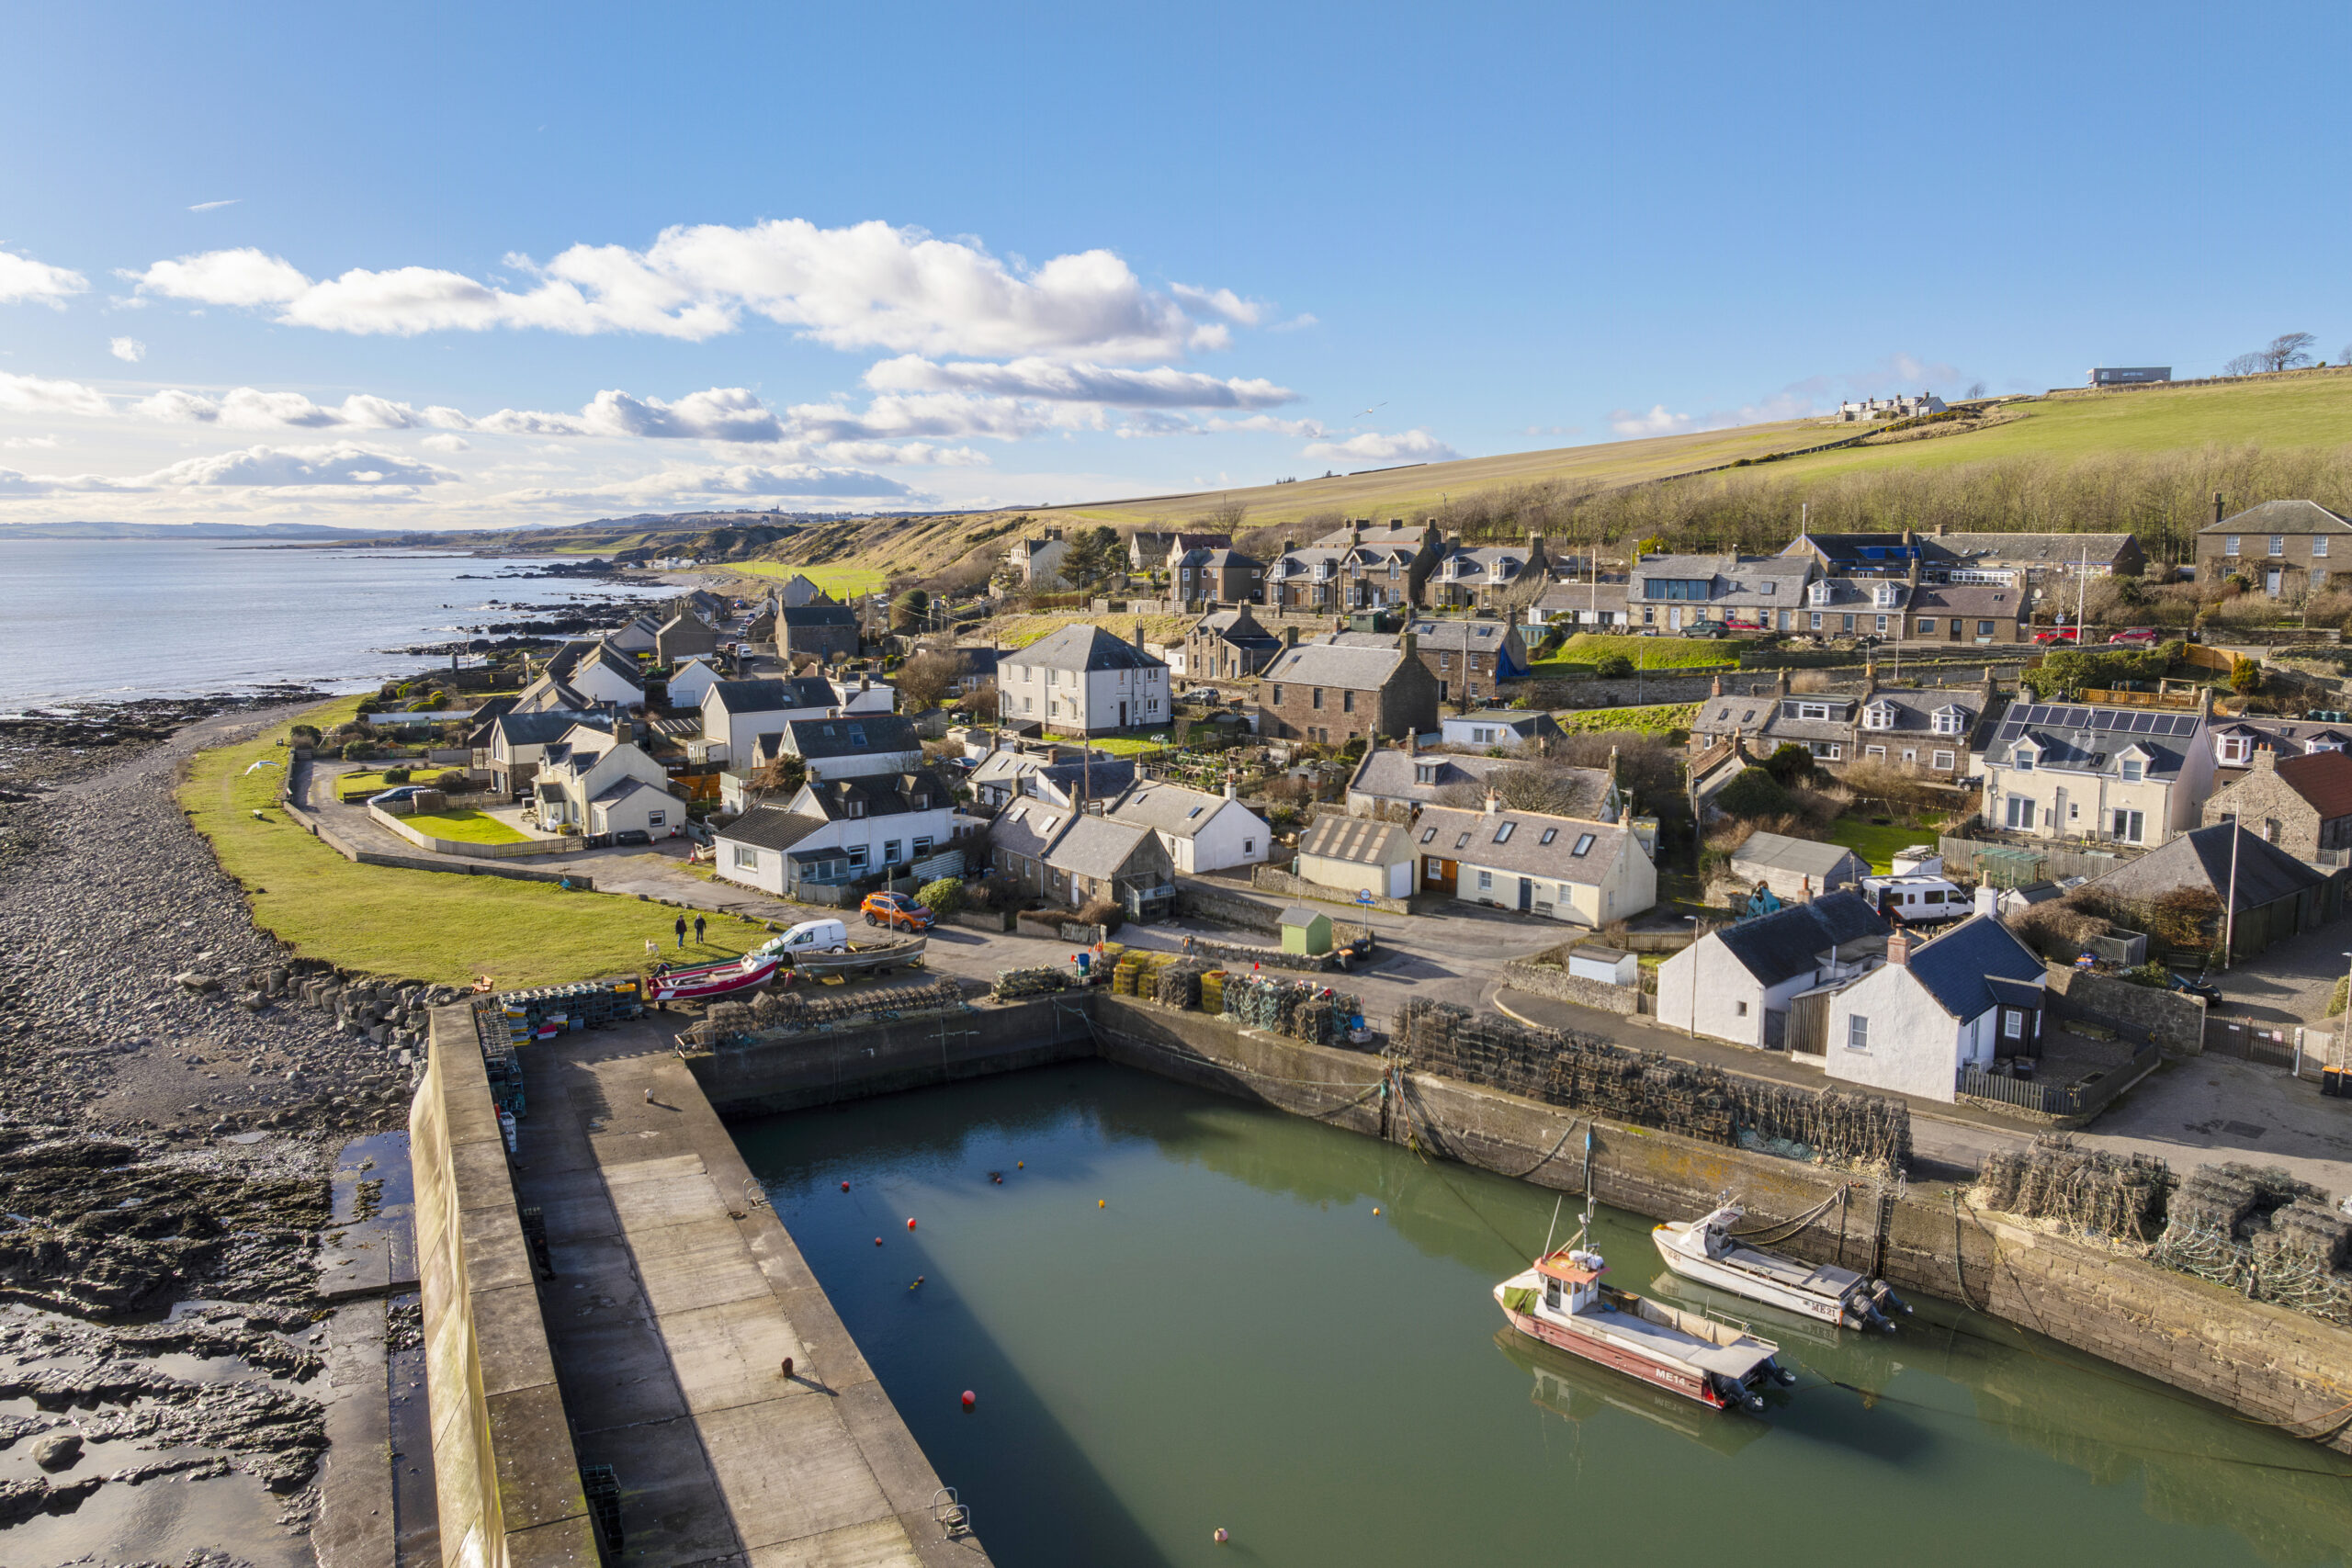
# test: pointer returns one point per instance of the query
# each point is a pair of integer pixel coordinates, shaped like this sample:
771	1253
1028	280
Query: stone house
1981	614
825	632
1216	574
1228	645
1083	680
2277	895
798	591
1926	730
1153	550
682	637
1057	852
1672	591
1482	577
1358	566
1330	694
1037	563
2286	548
1470	659
596	781
2304	804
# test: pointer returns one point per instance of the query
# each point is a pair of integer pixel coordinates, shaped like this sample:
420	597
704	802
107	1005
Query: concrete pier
673	1300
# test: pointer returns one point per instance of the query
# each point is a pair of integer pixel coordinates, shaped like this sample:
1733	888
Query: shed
1796	869
1610	966
1306	931
1356	854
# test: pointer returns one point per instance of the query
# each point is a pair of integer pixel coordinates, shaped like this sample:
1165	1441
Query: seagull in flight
1360	412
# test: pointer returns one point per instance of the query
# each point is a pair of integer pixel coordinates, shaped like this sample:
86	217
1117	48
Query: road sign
1363	895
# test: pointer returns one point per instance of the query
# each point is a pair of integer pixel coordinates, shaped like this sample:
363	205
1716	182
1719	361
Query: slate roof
2201	858
2282	517
1098	847
1083	647
1985	601
1522	722
769	827
621	789
1099	779
1957	969
534	729
1168	808
1478	838
2055	549
1358	841
1787	943
884	795
2084	738
1238	626
2287	737
1453	634
1336	664
774	697
815	614
1806	856
1396	531
1387	774
850	736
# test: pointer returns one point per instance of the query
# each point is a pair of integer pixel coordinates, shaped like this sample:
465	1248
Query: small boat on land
1561	1302
1705	1250
709	982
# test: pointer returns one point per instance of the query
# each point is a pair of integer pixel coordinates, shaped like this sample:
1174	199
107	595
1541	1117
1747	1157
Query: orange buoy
878	1241
1101	1203
970	1399
1021	1165
1375	1214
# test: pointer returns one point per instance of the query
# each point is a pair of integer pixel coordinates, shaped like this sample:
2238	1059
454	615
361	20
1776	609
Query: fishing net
1298	1010
2261	1232
1584	1072
2088	1191
1034	982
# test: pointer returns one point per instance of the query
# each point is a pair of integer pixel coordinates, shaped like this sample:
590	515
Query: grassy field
421	925
1648	652
1133	745
1020	631
1657	719
1876	843
841	581
465	826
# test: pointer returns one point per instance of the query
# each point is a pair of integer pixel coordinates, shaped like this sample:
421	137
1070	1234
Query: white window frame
1858	1031
746	858
2319	546
2277	546
2233	748
2230	544
2134	771
1943	760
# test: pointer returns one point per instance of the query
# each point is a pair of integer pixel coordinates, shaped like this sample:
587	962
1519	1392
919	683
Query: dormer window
1818	593
1886	595
2134	770
1879	715
1424	773
1948	721
2022	759
2235	749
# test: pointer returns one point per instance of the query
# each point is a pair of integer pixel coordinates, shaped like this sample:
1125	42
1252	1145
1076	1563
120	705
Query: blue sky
445	267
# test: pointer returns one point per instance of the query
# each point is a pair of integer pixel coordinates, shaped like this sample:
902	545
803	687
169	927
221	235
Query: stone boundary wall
824	1067
457	867
472	851
2263	1362
1196	902
1240	952
1270	879
506	1480
2171	1020
1553	981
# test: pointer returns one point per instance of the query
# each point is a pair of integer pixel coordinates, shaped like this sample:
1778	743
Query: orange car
896	910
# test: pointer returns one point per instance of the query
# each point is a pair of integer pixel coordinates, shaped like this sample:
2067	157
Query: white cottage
1736	983
1201	831
1975	993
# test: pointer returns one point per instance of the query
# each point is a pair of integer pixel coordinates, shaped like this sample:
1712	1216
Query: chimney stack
2217	508
1228	784
1494	801
1898	950
1719	687
2266	759
1989	901
1290	636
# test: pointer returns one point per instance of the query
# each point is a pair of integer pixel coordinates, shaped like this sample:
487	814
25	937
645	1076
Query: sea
104	620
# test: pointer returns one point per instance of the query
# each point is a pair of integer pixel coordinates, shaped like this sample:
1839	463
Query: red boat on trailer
1562	1302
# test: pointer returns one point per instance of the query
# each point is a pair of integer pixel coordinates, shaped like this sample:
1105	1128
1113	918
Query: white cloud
342	464
1657	422
128	349
446	443
866	285
32	394
248	408
780	481
36	442
26	281
1299	323
1153	421
1417	446
721	413
1037	377
215	206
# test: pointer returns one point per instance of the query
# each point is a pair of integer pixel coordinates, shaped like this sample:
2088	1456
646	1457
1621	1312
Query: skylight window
1584	844
1549	834
1502	834
1461	841
1427	833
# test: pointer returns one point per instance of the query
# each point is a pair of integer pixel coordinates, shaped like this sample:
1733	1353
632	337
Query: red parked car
2138	636
896	912
2058	634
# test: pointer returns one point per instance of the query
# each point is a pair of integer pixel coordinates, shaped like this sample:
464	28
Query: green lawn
1133	745
841	581
1657	718
421	925
1020	631
352	786
1646	652
465	826
1877	844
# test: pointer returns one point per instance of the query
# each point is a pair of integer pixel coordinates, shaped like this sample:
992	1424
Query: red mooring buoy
878	1241
845	1186
970	1399
911	1225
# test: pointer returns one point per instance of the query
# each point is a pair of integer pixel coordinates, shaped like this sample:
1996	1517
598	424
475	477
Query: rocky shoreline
175	1088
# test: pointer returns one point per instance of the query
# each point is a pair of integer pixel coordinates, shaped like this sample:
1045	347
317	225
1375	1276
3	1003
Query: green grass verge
1020	631
837	580
1877	844
1657	719
465	826
421	925
1648	652
1133	745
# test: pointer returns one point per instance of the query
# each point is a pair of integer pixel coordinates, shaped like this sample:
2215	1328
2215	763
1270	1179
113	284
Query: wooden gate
1808	1027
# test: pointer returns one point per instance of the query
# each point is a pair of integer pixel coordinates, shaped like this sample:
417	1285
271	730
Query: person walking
698	928
681	928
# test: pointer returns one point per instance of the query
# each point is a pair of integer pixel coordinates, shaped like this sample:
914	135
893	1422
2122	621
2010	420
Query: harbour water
94	620
1181	1313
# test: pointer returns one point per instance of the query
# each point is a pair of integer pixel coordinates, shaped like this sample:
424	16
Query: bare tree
2288	350
1228	517
1975	390
2245	365
924	679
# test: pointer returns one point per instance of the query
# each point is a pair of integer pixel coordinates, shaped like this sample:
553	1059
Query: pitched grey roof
1535	844
882	794
1083	647
774	696
2057	549
1455	634
850	736
1359	840
769	827
1300	915
816	614
1785	943
1336	664
1098	847
534	728
1238	626
2201	858
1387	774
2282	517
1028	826
1805	856
1956	967
2084	738
1990	600
1168	809
621	789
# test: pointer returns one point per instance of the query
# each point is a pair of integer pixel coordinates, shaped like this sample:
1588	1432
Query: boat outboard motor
1732	1391
1887	1301
1780	1374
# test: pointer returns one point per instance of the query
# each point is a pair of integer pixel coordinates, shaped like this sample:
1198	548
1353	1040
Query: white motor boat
1706	1251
